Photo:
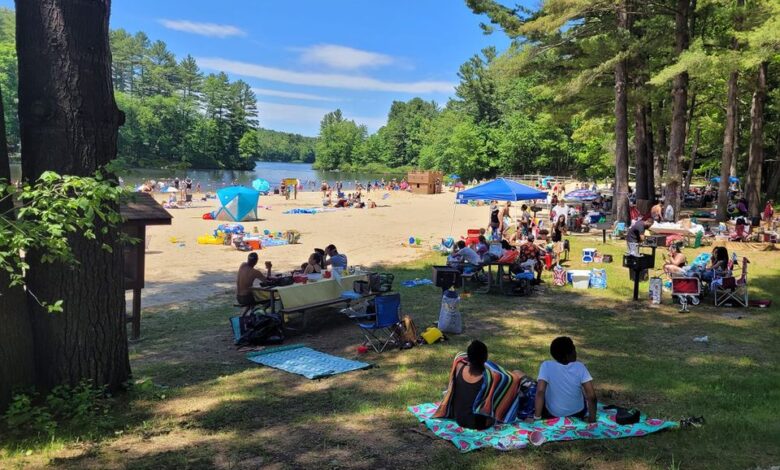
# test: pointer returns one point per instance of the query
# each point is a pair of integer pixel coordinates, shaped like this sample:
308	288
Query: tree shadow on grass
241	414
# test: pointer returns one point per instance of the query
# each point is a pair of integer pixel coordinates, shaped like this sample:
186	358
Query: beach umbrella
261	185
581	195
732	179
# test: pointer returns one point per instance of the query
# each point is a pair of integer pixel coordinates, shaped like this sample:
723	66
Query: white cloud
350	82
291	94
203	29
274	114
342	57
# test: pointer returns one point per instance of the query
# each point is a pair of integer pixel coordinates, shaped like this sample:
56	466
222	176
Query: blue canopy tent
237	203
500	189
732	179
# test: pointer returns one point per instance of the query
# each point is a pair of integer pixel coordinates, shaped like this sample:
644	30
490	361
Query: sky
305	58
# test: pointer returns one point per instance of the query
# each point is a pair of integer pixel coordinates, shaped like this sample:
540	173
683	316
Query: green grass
219	410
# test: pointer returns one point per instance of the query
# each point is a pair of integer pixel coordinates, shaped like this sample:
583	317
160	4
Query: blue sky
305	58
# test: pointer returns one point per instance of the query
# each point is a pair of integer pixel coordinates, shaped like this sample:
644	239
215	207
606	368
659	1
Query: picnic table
487	268
301	298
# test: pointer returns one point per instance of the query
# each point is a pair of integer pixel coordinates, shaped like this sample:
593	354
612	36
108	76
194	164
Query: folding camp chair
620	230
732	289
382	332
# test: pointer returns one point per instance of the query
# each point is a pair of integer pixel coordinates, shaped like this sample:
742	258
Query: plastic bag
449	317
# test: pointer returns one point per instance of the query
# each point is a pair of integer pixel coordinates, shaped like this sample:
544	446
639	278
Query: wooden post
136	318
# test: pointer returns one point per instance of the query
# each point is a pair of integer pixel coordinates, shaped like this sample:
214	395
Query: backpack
260	329
406	331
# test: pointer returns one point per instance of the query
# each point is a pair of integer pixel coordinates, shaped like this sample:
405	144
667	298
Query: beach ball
411	240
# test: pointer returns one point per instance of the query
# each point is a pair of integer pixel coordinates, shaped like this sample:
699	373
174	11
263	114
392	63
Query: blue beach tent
500	189
237	203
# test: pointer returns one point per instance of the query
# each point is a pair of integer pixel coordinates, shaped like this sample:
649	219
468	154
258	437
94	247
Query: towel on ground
518	435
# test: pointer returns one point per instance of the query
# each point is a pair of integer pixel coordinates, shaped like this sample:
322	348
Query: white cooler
580	278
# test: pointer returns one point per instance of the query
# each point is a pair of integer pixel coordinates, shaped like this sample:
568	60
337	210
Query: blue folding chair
382	332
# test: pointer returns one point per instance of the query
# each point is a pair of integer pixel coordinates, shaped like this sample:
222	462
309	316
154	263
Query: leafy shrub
80	410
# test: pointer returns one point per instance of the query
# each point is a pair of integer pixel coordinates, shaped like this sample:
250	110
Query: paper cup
537	438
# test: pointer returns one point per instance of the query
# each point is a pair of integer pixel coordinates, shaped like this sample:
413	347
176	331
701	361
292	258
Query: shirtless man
246	278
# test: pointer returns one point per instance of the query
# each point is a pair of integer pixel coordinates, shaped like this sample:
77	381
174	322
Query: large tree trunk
735	143
729	135
774	179
649	143
728	163
17	366
620	201
692	163
643	199
660	149
679	115
69	122
756	156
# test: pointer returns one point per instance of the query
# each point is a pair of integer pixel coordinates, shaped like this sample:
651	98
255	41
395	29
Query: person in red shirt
528	252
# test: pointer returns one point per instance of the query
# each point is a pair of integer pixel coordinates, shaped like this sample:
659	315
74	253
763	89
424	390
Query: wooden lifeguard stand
425	182
138	211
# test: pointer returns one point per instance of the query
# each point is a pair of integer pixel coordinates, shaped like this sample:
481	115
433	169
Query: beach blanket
301	360
308	210
499	398
268	242
417	282
518	435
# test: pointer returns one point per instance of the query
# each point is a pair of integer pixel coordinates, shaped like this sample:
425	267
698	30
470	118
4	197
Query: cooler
580	278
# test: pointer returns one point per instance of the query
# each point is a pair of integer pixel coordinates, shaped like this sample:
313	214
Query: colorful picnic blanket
518	435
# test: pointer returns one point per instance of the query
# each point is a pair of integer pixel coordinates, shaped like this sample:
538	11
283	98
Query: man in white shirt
466	254
564	387
560	210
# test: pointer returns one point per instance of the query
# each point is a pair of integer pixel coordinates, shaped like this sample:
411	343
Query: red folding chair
686	289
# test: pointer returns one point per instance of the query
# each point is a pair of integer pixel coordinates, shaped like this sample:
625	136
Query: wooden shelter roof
142	209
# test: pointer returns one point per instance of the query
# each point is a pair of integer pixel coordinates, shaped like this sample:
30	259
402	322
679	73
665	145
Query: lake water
274	172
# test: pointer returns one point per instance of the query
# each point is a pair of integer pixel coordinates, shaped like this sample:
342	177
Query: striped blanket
499	398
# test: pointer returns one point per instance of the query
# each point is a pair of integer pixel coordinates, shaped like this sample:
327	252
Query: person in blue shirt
564	387
335	259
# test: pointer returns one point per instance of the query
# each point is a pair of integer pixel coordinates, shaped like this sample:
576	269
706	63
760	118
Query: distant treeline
175	116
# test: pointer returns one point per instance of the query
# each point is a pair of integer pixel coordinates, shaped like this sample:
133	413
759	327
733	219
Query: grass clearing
211	408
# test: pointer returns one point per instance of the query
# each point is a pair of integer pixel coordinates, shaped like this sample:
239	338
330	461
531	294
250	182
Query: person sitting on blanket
246	278
481	392
468	383
565	387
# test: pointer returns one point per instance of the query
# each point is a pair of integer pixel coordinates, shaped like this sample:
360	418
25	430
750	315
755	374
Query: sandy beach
187	271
